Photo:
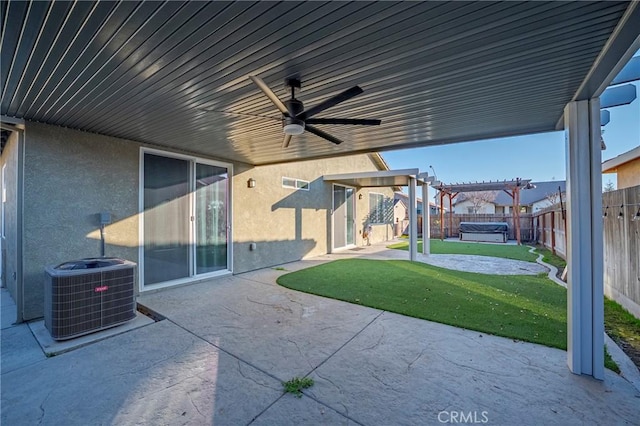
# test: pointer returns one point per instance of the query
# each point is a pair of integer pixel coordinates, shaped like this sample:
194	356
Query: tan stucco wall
10	242
70	177
629	174
288	224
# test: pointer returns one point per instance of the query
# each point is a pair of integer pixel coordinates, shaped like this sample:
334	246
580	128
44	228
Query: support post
413	220
450	215
585	310
426	219
441	215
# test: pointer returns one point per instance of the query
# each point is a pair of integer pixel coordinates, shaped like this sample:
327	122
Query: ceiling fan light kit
295	119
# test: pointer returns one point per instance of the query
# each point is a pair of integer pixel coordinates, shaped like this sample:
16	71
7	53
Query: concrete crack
330	381
194	405
377	343
232	311
415	359
472	368
251	378
41	407
272	305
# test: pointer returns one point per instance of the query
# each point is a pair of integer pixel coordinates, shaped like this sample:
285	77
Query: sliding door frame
193	277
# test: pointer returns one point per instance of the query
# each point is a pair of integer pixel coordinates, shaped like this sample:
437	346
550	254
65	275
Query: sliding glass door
211	218
186	219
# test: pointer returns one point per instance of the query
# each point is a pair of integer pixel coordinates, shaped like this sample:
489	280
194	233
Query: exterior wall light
251	183
359	196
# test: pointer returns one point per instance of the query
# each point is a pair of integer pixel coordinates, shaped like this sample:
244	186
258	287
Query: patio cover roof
387	178
175	74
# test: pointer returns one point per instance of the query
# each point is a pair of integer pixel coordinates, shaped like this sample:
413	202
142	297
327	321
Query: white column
413	219
426	219
585	311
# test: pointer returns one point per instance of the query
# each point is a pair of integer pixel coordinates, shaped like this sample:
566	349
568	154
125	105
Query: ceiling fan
295	119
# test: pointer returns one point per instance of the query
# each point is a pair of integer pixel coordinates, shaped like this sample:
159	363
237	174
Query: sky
539	157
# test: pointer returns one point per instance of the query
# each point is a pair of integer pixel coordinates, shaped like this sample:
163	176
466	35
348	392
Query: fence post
553	231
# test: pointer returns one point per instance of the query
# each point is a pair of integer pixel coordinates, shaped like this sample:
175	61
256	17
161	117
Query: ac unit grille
81	302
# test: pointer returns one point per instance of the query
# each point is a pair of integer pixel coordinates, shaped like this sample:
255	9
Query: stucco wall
287	224
70	177
10	242
629	174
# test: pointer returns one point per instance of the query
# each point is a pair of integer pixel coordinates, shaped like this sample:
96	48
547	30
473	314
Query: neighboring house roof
527	196
401	196
611	165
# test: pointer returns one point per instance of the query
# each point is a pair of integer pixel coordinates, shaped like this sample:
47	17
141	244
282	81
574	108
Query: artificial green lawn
506	251
528	308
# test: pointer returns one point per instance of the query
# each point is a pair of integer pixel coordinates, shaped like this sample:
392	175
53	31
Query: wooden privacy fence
549	229
452	224
622	247
621	243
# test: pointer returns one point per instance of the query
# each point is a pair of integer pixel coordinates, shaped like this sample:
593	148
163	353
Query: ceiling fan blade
286	141
364	122
322	134
334	100
267	91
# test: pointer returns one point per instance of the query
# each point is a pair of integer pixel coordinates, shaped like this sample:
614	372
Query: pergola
175	75
512	188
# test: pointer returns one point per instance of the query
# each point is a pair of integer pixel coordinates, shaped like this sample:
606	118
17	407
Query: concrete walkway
226	345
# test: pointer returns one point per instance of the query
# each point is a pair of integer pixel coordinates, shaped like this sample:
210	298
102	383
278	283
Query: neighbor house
542	195
626	166
182	217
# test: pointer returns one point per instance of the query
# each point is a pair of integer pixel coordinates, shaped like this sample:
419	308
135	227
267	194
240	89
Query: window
295	183
376	208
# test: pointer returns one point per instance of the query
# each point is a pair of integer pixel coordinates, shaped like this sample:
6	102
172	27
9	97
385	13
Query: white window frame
301	184
381	213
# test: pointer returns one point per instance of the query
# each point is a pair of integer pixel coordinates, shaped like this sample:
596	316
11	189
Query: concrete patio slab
422	372
285	332
483	264
290	410
228	343
19	348
159	374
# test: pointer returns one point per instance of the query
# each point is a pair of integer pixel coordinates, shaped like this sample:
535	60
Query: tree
480	198
609	186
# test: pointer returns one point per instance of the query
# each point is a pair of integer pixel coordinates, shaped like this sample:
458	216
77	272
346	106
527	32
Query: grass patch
522	307
296	385
551	259
609	362
494	250
623	328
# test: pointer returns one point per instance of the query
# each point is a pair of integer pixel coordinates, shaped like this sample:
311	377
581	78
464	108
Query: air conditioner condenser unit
88	295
